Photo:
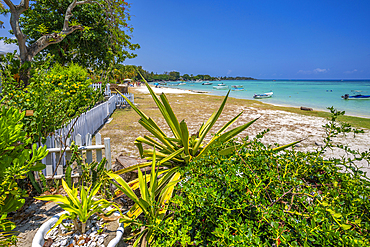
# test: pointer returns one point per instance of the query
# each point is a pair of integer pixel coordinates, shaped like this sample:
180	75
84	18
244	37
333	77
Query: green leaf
38	167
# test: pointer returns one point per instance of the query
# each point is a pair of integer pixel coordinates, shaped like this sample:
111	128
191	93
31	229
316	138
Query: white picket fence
60	154
98	86
84	126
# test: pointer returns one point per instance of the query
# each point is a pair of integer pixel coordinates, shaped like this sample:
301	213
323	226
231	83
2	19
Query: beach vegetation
259	197
182	147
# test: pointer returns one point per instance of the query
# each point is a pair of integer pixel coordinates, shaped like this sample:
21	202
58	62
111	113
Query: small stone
64	242
100	240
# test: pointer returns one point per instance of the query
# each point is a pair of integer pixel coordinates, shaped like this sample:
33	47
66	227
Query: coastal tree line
122	72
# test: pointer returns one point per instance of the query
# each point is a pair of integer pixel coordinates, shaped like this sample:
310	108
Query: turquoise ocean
316	94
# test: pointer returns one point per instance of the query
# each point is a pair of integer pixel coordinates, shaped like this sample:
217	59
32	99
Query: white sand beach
285	127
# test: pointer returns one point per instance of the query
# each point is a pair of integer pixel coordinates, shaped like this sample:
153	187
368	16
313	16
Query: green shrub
56	94
258	197
16	161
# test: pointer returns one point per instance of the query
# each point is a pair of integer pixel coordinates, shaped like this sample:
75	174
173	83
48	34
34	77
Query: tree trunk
28	52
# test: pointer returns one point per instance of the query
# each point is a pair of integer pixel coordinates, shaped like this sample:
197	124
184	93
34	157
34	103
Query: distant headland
172	75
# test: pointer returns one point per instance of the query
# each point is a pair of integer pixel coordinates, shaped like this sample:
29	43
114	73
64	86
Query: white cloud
350	72
304	72
229	72
318	70
315	71
7	47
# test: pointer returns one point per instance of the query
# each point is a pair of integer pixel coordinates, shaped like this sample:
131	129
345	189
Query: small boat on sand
207	83
263	95
237	87
357	94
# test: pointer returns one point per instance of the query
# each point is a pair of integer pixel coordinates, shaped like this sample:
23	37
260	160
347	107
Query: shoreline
284	125
169	90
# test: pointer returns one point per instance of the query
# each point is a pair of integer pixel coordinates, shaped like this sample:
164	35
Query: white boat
221	84
207	83
182	83
237	87
221	87
264	95
357	94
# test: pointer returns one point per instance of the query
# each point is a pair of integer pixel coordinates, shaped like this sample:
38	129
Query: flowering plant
55	94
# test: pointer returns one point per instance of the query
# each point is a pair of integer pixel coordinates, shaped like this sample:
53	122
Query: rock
306	108
64	242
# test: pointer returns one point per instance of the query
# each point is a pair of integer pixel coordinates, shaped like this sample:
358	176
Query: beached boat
264	95
222	87
357	94
207	83
237	87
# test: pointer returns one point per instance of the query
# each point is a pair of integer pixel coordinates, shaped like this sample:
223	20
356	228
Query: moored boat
237	87
207	83
263	95
357	94
220	87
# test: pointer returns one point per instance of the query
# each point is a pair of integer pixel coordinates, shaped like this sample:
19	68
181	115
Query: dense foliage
55	95
16	161
258	197
105	38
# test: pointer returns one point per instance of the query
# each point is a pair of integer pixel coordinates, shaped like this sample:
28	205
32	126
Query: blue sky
265	39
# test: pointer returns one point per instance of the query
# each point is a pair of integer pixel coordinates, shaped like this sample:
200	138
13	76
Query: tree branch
10	5
55	37
49	39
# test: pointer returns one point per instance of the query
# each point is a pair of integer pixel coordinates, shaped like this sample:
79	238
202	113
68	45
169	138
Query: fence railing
60	155
98	86
85	126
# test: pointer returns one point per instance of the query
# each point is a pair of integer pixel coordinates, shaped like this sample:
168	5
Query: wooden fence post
89	157
108	153
68	153
49	158
99	153
58	156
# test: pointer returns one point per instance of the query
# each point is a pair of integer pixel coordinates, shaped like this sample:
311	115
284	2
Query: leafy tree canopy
104	38
91	33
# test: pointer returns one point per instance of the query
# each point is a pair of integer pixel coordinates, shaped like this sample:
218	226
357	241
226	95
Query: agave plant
152	203
181	148
80	206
